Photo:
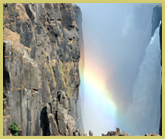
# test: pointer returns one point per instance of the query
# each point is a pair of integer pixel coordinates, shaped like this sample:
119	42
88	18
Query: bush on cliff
14	129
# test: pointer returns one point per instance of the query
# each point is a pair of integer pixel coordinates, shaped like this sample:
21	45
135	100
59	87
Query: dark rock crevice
29	13
44	122
6	78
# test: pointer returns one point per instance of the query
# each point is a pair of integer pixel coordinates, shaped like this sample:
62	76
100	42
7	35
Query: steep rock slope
160	128
41	51
156	18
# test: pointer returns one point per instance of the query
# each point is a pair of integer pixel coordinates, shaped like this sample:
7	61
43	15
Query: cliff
41	51
42	45
156	18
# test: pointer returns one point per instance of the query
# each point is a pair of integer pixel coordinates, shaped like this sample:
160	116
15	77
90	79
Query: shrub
14	129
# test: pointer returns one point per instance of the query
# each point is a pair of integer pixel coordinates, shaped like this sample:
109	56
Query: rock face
116	133
90	133
160	127
156	18
154	134
41	51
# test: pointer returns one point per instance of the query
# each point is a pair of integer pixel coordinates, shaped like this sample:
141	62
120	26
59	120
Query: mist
116	36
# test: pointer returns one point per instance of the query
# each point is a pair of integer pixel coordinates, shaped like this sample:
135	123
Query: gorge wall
41	51
41	69
156	19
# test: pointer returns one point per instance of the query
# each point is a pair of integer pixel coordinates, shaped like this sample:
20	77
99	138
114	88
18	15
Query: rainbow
98	99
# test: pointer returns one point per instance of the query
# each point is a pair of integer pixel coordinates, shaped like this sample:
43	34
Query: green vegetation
63	70
14	129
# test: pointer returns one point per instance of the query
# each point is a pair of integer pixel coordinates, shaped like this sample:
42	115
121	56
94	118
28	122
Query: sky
115	38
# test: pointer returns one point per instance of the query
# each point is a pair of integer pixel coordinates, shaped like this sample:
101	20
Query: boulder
90	133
